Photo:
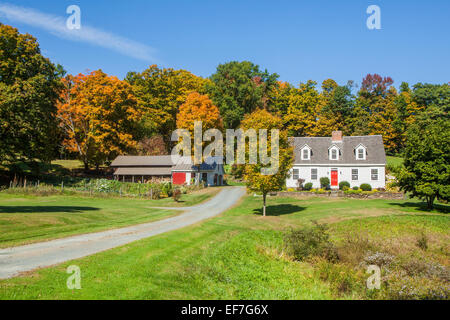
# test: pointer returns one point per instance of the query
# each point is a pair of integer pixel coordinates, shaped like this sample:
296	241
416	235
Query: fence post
10	184
25	182
151	193
62	186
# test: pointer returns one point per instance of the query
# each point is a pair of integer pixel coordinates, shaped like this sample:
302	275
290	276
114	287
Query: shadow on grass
422	206
44	209
280	209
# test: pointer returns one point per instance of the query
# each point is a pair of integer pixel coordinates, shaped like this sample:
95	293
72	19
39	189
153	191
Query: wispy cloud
57	26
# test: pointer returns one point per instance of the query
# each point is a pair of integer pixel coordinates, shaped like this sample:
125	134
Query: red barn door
179	177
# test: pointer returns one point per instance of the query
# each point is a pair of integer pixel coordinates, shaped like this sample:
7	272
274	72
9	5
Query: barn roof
145	161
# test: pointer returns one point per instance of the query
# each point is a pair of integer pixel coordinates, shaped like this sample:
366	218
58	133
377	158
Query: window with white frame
374	174
360	153
295	174
355	174
334	153
313	174
306	153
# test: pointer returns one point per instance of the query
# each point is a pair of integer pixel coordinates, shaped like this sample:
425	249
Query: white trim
330	152
359	147
305	147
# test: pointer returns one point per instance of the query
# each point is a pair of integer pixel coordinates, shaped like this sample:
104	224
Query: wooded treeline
45	112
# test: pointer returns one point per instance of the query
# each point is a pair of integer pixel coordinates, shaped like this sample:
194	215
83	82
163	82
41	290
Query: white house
356	160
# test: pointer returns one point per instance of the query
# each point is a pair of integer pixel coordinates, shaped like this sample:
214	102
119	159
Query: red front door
179	177
334	178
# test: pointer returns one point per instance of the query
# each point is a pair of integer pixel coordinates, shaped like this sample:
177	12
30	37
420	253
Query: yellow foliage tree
255	179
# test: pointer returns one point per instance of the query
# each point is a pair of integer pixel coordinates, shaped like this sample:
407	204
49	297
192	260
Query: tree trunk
86	167
264	204
430	201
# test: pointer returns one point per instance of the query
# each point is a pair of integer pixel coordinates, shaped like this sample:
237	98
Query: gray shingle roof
144	171
137	161
319	146
157	165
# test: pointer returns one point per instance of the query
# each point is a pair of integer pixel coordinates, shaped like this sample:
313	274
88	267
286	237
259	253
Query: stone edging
341	194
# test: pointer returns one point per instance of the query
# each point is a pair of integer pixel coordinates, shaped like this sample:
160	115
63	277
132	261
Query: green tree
334	109
160	93
255	179
238	88
406	112
300	119
437	95
29	85
426	172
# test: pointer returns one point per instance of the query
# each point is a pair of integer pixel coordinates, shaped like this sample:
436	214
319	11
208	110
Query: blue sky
299	40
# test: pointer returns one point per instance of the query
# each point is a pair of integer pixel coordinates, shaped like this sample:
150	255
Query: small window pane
313	174
305	154
374	174
296	174
360	153
354	174
334	154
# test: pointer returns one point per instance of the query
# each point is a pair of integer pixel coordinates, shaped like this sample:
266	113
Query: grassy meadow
242	255
28	218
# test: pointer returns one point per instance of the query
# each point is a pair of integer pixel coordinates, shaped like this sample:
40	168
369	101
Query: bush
310	241
300	184
308	186
366	187
422	241
167	189
356	188
176	195
325	182
343	184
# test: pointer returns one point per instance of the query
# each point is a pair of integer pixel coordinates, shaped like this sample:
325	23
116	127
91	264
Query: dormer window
306	153
334	153
360	152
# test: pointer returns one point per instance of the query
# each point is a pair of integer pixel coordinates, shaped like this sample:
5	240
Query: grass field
394	161
240	255
26	219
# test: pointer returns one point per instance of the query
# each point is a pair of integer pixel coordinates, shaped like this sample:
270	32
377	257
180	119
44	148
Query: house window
354	174
374	174
305	154
361	154
334	154
295	175
313	174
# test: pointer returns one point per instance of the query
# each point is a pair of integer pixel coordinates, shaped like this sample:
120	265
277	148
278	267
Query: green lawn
26	219
237	255
69	164
394	161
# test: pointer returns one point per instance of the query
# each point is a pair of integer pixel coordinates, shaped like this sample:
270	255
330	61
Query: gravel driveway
15	260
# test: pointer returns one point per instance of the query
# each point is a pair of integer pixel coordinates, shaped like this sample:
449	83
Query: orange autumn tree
97	113
199	108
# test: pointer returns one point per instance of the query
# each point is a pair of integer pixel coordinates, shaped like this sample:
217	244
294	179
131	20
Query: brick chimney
336	136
